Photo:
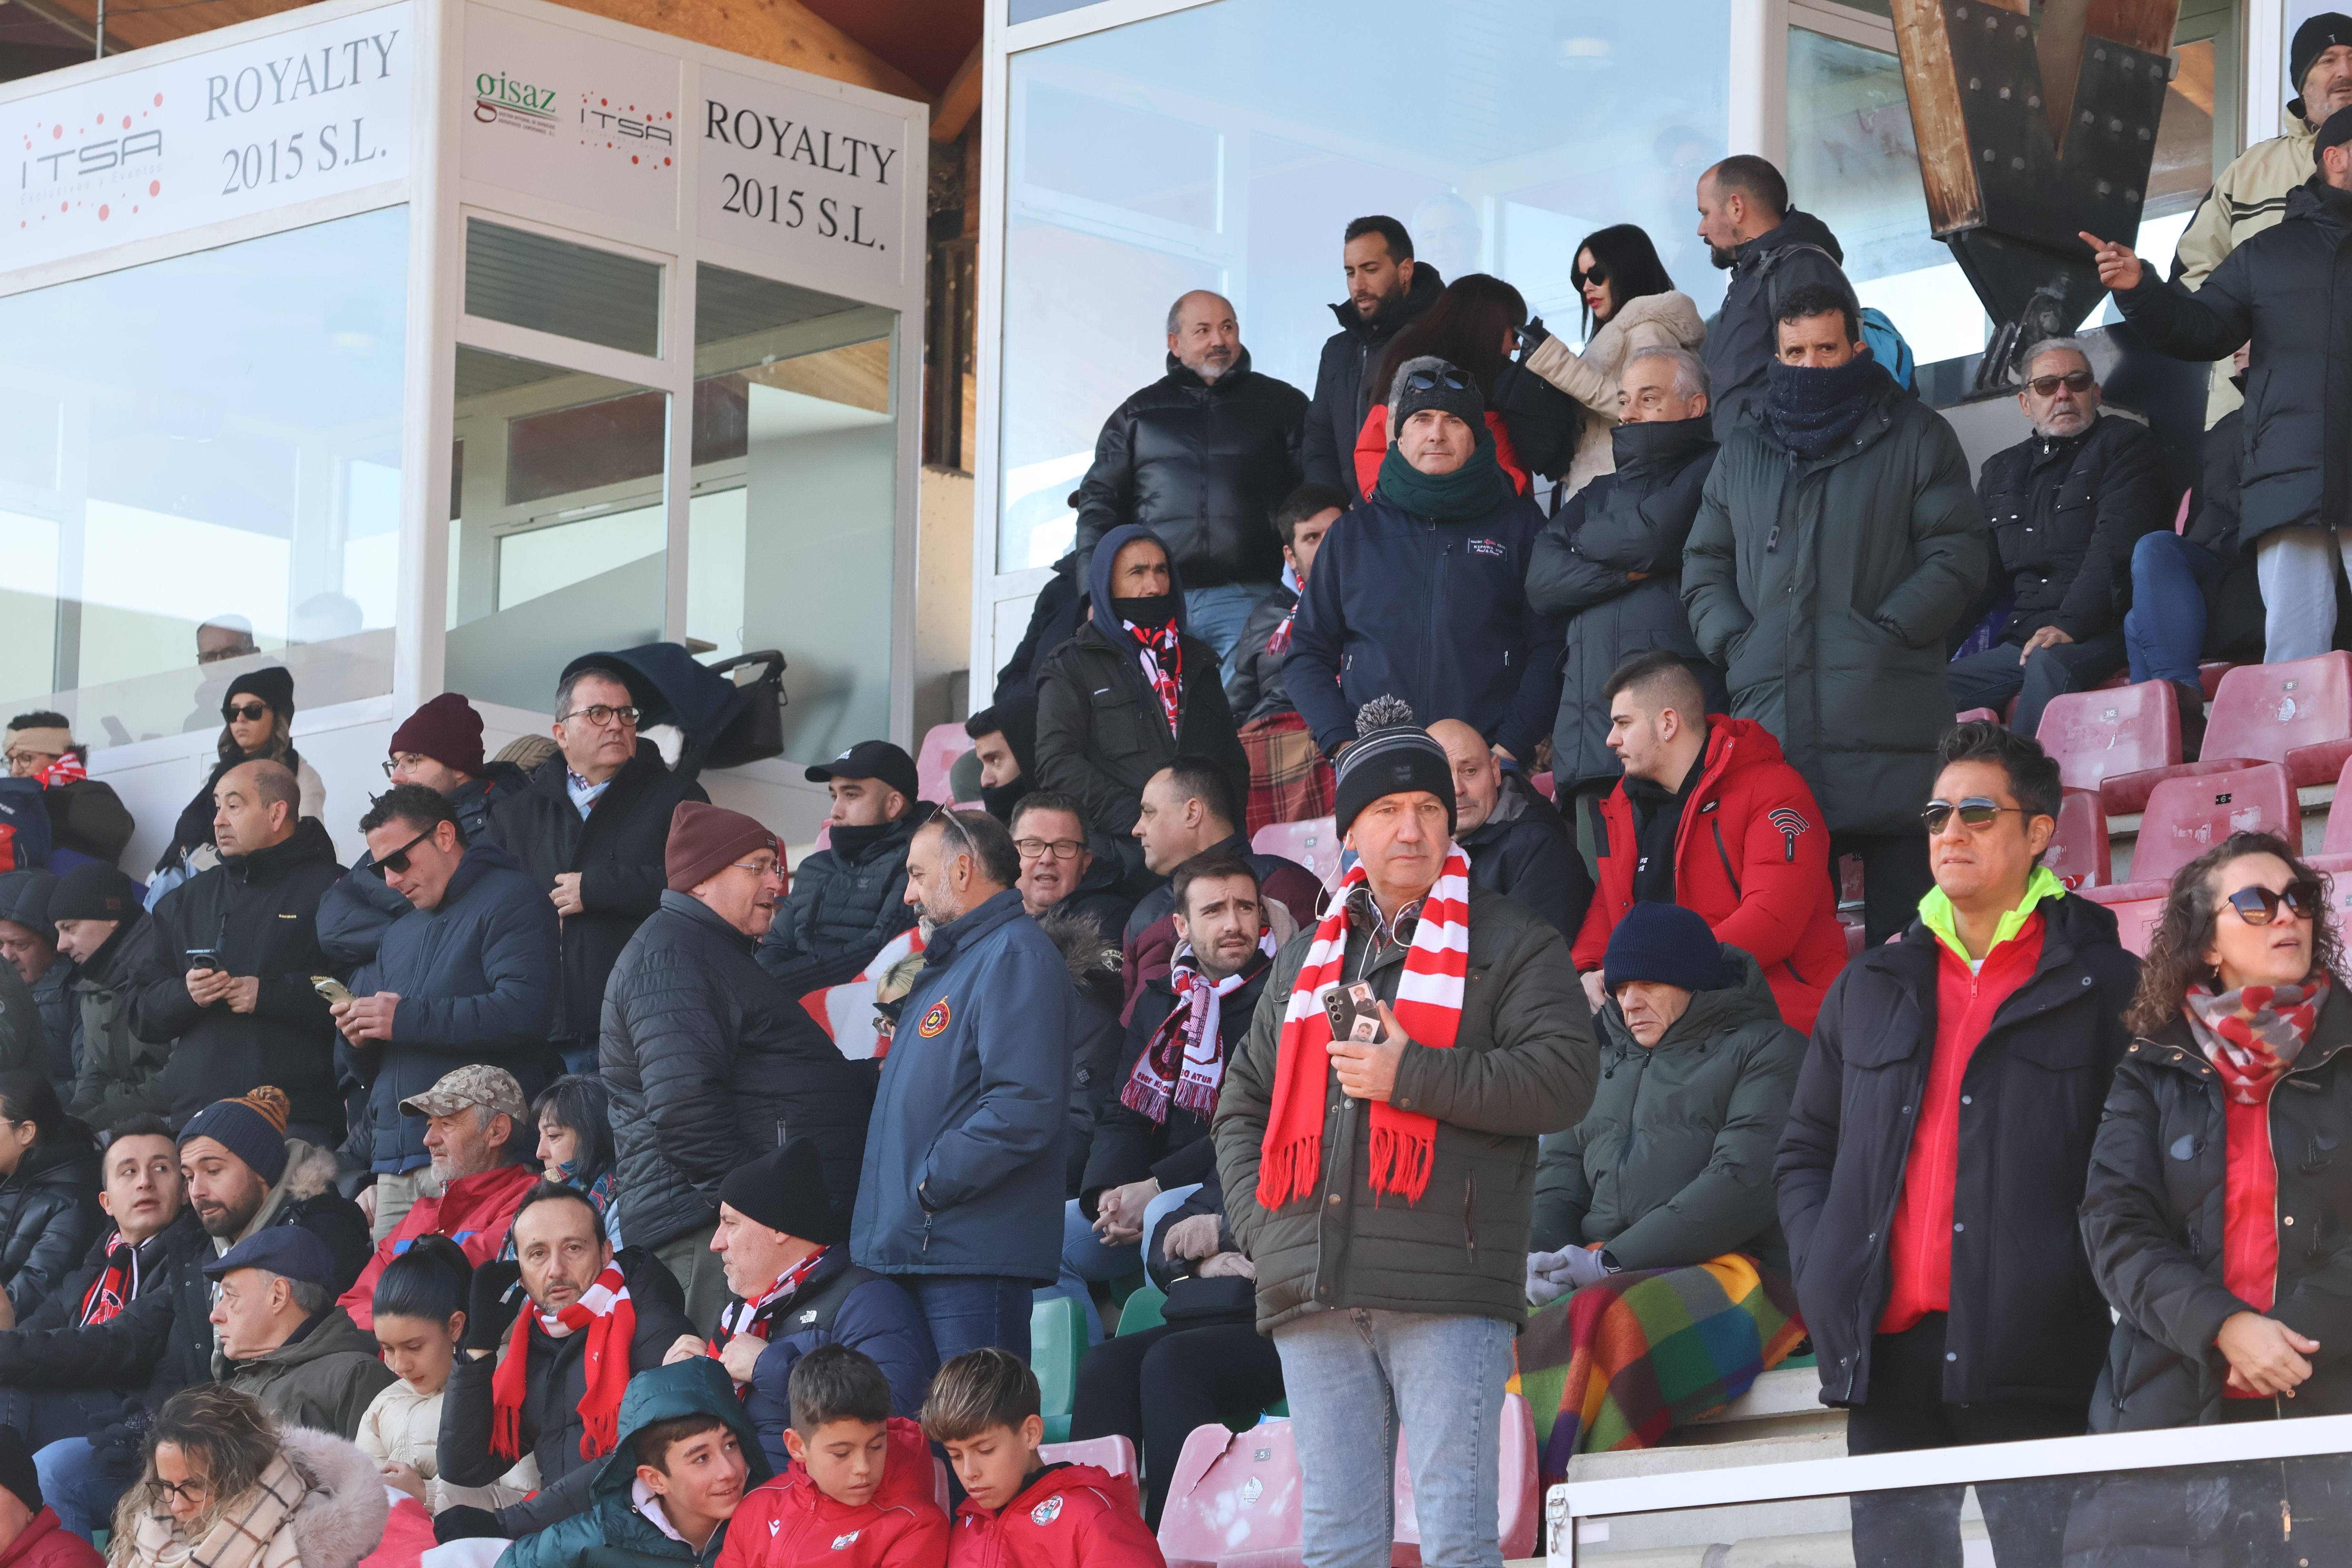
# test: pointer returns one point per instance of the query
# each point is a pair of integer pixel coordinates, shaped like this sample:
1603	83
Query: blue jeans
1086	1259
1216	615
74	1483
2164	628
1355	1376
969	1311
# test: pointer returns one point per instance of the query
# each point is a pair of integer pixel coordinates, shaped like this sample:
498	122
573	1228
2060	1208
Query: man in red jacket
1709	816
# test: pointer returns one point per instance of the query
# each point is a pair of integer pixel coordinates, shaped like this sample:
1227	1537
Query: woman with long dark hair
257	721
574	1118
2216	1218
1630	303
49	1182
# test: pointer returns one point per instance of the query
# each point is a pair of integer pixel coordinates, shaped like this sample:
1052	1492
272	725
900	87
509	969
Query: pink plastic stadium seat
2338	838
1233	1499
942	745
2136	920
1974	715
2098	737
2078	854
939	1485
1543	784
1115	1455
2298	714
2335	872
1521	1503
1314	844
2187	816
2210	674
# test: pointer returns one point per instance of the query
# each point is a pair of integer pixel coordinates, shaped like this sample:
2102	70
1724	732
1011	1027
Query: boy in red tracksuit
860	1492
1020	1511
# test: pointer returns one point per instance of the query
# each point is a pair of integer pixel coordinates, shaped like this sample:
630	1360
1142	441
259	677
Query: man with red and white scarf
551	1340
1379	1186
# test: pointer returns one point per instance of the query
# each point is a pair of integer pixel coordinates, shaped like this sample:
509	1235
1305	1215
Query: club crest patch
1046	1513
842	1542
1487	547
935	1020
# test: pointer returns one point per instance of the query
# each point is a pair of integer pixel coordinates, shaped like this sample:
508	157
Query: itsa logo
502	100
622	127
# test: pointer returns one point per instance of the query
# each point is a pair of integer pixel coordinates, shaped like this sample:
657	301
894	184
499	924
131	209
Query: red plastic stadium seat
2120	678
1543	784
1233	1495
2136	917
2298	714
1314	844
1114	1454
2099	736
2078	854
2338	838
1855	936
1521	1503
2187	816
2210	674
942	745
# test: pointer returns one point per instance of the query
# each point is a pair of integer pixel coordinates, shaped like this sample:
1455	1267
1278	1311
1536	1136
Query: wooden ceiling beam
958	100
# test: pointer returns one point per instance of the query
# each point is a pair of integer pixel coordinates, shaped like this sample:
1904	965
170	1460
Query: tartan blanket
1289	780
1620	1363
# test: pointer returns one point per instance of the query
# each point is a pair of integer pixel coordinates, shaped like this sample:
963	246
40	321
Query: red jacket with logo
1751	856
1071	1516
788	1523
476	1212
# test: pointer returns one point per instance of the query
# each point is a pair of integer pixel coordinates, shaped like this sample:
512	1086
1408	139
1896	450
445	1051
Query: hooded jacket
2286	289
1343	393
1527	849
611	1517
49	1217
1435	613
259	912
1101	729
788	1523
965	1158
1203	464
1741	340
713	1064
45	1542
1069	1515
325	1379
121	1075
1581	573
1592	375
475	975
1826	589
843	906
358	911
617	849
2064	513
1751	858
1673	1166
841	1304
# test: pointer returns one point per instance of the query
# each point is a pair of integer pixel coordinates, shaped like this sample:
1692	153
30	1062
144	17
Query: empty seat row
2121	742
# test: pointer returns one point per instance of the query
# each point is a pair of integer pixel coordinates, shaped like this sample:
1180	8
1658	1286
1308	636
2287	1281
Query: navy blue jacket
356	912
841	1304
475	979
1435	613
965	1157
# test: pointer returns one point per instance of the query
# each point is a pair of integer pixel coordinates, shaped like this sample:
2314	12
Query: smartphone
203	958
1354	1011
332	989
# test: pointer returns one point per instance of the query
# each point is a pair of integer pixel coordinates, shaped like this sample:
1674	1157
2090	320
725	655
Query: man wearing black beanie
98	918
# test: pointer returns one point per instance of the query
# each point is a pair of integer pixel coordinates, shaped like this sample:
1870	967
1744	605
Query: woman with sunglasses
257	721
2216	1215
1630	303
223	1486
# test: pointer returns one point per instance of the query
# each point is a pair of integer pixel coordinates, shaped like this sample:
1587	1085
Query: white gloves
1551	1274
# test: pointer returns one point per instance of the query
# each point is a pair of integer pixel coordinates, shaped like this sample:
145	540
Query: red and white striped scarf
117	1285
1278	644
66	769
754	1318
1186	1053
1428	1008
1163	663
606	1311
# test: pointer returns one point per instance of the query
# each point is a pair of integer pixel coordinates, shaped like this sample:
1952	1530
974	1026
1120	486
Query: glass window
554	286
793	519
1191	151
561	522
200	467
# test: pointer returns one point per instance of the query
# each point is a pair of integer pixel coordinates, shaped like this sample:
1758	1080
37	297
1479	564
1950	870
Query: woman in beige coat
1630	303
224	1487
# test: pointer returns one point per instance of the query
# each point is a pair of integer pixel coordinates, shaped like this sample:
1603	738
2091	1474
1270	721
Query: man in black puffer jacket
711	1062
1770	249
589	832
1201	456
1387	292
849	899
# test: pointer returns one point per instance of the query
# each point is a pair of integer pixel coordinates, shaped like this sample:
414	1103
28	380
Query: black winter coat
159	1256
1102	732
2026	1320
713	1064
1580	574
1091	955
1344	394
2065	513
2235	627
2289	290
1742	337
260	911
1178	1151
840	1304
1527	850
617	849
48	1219
1203	465
844	906
121	1075
1254	689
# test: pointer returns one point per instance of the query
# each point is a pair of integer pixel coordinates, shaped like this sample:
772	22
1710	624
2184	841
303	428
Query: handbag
1196	1303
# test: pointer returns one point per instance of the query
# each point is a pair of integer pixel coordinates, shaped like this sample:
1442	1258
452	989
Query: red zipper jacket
788	1523
46	1544
1751	856
476	1212
1071	1516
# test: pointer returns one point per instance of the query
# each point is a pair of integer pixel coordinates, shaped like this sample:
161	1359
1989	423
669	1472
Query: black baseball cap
877	760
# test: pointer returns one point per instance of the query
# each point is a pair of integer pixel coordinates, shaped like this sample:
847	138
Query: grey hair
2053	346
1177	310
1690	371
308	1299
588	672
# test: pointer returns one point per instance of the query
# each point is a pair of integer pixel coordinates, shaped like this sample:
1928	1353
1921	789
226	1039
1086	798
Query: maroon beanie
446	730
705	839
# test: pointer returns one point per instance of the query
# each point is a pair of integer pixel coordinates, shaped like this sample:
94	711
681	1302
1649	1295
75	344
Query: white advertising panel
803	177
570	116
243	129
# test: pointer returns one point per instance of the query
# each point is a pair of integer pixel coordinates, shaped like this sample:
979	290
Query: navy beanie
1665	944
252	1127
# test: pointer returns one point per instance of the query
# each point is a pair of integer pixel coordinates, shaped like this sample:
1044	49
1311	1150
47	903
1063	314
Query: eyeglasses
398	860
399	760
1038	849
1430	380
190	1491
1597	275
251	712
1976	812
601	716
2259	906
2074	381
762	869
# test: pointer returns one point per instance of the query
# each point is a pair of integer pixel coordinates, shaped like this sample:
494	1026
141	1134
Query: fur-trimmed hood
309	1169
342	1518
1092	958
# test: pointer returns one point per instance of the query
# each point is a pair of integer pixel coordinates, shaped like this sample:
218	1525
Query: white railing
1576	1505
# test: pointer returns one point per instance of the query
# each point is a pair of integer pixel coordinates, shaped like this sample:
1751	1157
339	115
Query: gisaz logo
494	91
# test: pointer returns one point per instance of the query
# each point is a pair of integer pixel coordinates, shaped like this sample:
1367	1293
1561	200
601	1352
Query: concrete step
1664	1461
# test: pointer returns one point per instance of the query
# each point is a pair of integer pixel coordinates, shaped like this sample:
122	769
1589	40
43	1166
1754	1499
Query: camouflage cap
493	1089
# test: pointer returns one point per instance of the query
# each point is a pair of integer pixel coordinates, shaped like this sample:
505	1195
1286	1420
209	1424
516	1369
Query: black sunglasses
2259	906
1597	273
251	712
1976	812
2074	381
398	860
1428	380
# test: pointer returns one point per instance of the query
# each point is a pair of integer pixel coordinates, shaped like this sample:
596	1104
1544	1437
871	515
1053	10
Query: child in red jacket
1020	1511
860	1492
